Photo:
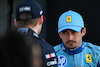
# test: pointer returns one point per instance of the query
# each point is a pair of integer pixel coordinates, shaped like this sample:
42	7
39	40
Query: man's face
72	39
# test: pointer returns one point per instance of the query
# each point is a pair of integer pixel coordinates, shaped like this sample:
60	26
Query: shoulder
93	47
44	43
90	45
57	48
46	46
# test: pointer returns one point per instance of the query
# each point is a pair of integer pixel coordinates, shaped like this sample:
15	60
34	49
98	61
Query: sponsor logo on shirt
62	61
88	58
50	55
52	62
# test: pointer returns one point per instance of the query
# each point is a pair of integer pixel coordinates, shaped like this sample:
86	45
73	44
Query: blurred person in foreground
18	51
29	20
73	51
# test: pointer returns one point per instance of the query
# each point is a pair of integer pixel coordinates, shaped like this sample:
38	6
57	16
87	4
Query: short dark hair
25	18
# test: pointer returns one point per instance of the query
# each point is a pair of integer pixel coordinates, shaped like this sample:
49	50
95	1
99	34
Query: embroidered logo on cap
69	19
24	8
88	58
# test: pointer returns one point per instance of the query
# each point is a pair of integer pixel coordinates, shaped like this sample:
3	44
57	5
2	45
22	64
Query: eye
64	31
73	31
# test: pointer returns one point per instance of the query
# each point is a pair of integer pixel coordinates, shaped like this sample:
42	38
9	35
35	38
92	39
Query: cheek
78	38
64	38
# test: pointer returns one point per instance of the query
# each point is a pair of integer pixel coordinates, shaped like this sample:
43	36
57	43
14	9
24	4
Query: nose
70	36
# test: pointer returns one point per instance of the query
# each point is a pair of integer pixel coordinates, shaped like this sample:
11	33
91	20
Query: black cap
30	6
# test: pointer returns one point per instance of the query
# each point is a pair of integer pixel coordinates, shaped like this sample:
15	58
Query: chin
74	47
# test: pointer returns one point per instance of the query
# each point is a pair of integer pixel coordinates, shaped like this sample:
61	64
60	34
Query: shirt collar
70	52
24	31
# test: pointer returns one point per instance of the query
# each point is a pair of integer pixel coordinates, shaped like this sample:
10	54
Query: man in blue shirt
73	51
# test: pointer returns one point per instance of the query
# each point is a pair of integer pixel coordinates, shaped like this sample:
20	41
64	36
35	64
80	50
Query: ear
84	31
15	22
41	20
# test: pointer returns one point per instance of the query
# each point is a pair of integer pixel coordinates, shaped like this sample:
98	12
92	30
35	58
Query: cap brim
75	28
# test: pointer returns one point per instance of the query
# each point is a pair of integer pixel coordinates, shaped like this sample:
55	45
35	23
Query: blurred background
89	9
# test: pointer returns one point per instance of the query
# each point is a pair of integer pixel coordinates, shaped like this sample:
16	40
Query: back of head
26	11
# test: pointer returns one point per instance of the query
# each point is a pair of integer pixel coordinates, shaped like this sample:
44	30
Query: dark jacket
49	57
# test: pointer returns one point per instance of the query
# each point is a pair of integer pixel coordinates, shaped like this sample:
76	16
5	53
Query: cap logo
24	8
69	19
